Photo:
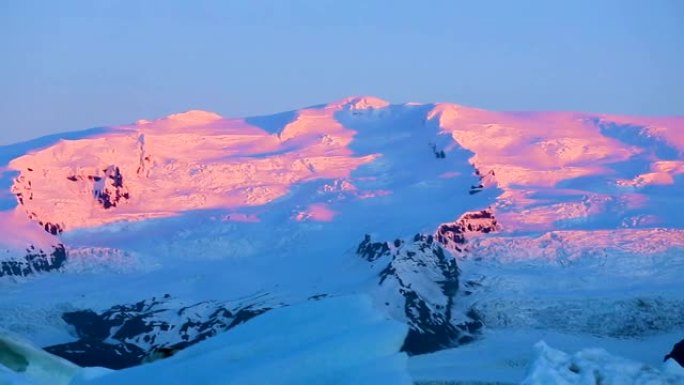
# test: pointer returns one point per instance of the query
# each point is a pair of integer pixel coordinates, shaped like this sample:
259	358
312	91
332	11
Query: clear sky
68	65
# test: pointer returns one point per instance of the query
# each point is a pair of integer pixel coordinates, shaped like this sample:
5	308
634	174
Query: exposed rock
52	228
34	261
111	191
439	154
486	179
108	190
370	251
419	284
128	335
78	178
453	235
92	352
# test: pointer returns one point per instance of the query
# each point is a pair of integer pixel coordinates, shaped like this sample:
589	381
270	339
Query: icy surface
564	223
332	341
23	363
592	366
342	340
507	356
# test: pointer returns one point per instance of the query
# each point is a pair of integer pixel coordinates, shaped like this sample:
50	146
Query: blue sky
70	65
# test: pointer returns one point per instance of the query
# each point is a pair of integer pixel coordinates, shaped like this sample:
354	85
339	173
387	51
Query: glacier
480	232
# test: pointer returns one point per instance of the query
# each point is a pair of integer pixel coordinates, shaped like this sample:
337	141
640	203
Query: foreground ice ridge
125	335
251	354
596	366
342	340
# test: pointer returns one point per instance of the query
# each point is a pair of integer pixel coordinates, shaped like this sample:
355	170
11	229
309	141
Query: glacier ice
23	363
593	366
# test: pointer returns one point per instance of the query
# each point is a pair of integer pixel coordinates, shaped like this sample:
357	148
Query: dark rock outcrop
111	191
52	228
92	352
677	353
419	283
108	190
485	180
439	154
34	261
453	235
125	335
371	251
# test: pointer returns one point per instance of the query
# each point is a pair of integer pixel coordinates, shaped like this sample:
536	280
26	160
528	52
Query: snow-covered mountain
126	242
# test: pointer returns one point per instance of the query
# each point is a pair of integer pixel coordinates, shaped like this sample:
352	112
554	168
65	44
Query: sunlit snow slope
554	169
553	218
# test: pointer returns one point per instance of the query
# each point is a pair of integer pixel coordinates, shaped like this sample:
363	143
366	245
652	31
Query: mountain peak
359	103
187	118
152	237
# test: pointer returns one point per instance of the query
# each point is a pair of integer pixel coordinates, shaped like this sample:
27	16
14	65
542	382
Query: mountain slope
453	219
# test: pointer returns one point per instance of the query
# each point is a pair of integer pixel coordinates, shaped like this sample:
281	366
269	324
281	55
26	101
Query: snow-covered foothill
342	340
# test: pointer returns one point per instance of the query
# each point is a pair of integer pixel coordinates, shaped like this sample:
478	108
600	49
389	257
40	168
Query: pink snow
531	152
199	160
319	212
187	161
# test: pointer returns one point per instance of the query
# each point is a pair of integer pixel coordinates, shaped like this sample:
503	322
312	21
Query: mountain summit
455	223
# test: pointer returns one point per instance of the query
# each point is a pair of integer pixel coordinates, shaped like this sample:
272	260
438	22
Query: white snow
506	355
340	340
591	247
592	366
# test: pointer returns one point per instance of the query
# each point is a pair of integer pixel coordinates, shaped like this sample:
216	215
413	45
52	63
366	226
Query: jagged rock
677	353
453	235
34	261
111	191
125	335
485	180
108	190
419	284
439	154
77	178
92	352
370	251
52	228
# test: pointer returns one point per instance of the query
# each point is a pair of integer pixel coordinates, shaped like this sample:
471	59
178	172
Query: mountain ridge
455	221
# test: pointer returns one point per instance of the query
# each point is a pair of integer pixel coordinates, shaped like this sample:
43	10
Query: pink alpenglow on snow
551	169
187	161
447	217
318	212
532	153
